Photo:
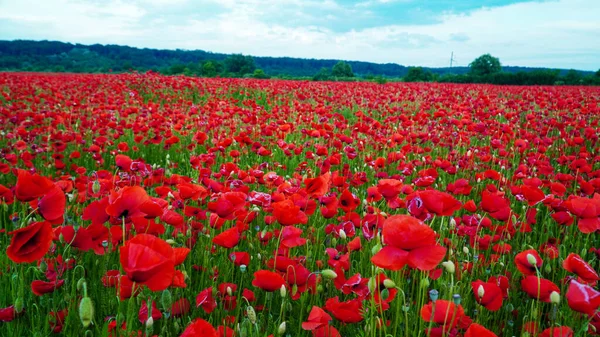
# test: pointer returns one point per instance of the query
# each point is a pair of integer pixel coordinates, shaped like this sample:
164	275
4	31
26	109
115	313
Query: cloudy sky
560	33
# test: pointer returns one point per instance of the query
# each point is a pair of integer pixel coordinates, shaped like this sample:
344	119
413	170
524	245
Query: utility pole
451	59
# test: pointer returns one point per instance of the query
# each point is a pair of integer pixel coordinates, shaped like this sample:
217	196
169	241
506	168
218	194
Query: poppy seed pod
251	314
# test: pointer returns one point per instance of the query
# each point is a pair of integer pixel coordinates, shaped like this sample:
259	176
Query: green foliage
418	74
485	65
209	69
323	75
239	64
39	56
342	69
259	73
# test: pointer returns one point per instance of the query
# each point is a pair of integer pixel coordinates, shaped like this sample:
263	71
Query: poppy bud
449	266
282	291
548	268
294	289
389	283
149	325
376	249
343	234
554	297
532	260
385	294
166	300
281	329
424	283
329	274
43	266
466	250
372	284
480	291
19	305
86	311
229	291
251	314
452	223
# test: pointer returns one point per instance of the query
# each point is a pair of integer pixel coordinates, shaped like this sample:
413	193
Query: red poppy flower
228	238
52	205
347	312
123	162
180	308
532	194
148	260
30	243
6	195
290	237
57	319
562	331
287	213
240	258
192	191
126	202
523	261
199	328
409	241
476	330
317	318
487	294
446	313
319	186
31	186
356	284
583	298
496	205
143	313
206	300
267	280
228	204
539	288
40	287
7	314
439	203
575	264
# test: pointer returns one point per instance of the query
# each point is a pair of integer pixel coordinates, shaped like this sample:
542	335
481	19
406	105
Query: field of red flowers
146	205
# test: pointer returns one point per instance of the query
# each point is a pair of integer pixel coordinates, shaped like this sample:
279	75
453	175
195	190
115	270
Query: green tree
323	75
418	74
209	69
572	77
239	64
259	73
485	65
342	69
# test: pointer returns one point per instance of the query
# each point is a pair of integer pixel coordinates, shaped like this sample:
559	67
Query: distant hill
26	55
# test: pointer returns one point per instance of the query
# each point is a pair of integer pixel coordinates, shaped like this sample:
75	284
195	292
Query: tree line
51	56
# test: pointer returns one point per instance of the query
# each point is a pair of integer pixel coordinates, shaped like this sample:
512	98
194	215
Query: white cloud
563	33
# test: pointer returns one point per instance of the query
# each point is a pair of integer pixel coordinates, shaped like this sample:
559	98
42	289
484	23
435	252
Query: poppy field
150	205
